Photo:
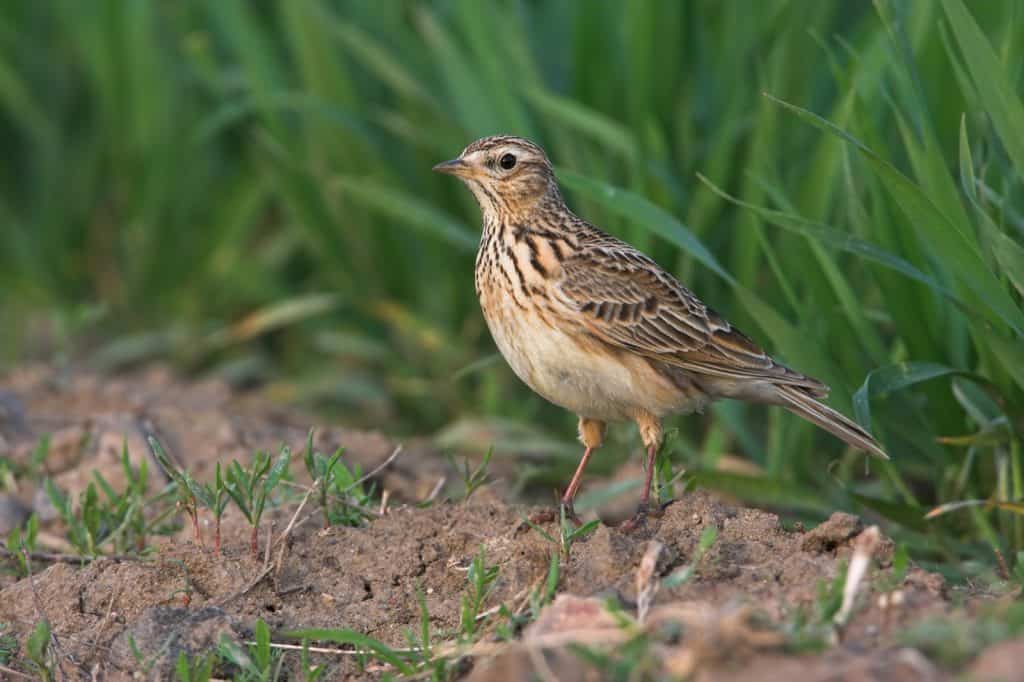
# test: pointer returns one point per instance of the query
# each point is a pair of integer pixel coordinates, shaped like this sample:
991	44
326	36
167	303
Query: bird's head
507	175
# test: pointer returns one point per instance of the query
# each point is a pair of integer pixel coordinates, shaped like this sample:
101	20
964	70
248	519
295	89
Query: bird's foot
569	514
638	521
555	515
547	515
658	510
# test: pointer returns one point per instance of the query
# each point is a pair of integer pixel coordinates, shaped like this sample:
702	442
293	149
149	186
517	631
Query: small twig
491	611
646	580
368	513
307	517
293	588
269	544
540	665
863	547
340	652
451	648
282	539
384	497
267	569
336	652
526	597
495	609
436	491
298	510
252	583
105	621
376	470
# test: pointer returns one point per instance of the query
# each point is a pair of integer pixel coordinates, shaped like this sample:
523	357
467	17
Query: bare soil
728	621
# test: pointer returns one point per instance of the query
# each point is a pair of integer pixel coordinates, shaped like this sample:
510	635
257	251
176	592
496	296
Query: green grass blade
575	116
997	95
842	241
414	212
896	377
953	244
639	210
356	639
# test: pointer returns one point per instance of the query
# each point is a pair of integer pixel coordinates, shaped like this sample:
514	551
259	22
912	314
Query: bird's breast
556	357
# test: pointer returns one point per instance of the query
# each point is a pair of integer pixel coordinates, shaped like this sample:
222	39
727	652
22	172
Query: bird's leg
591	435
645	494
574	484
650	433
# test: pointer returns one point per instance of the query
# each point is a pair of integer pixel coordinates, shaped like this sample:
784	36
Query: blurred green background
243	188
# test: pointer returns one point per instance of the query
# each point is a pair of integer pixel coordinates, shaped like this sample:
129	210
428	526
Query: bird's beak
453	167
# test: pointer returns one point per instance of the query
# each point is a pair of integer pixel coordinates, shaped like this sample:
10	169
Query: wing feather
629	302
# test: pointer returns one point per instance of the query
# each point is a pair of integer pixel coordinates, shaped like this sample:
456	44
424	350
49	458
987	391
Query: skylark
596	327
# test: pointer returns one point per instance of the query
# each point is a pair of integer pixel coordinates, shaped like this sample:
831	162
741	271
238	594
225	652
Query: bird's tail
798	401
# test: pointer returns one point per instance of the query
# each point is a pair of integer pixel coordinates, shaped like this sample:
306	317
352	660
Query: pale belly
566	370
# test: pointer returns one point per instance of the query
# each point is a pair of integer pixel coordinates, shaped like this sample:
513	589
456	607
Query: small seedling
633	659
8	644
684	574
145	663
350	498
186	590
321	470
954	639
545	592
343	499
186	488
8	481
420	651
215	497
664	480
257	661
37	651
251	487
830	596
38	457
125	512
87	528
570	532
198	669
310	672
116	518
473	478
23	540
891	580
481	582
814	629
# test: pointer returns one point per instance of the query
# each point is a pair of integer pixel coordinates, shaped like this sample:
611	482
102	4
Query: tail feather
798	401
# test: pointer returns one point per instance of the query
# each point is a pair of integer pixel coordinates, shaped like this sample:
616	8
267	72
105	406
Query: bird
596	327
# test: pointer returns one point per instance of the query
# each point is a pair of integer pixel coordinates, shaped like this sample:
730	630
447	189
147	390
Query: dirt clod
754	581
839	529
164	633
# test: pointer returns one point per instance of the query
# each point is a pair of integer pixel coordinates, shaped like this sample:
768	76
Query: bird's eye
507	161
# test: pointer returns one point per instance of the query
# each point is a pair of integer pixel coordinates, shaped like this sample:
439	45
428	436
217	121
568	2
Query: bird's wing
627	301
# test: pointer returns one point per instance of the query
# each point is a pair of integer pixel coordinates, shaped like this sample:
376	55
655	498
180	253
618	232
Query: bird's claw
542	516
639	519
570	515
